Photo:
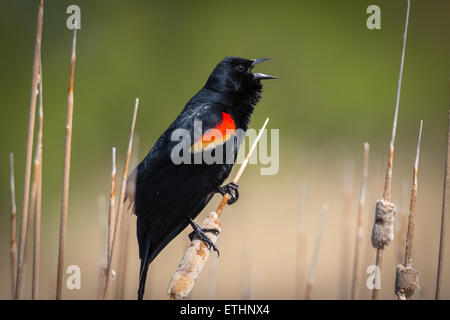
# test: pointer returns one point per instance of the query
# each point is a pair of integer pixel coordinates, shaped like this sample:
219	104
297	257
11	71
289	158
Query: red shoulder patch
216	136
227	124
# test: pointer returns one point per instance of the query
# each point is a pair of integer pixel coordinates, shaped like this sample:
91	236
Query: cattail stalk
109	274
197	253
312	268
29	152
401	224
382	233
359	225
66	175
406	276
444	218
13	243
412	209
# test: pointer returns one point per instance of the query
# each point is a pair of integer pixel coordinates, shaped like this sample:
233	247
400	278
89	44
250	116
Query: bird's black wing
166	194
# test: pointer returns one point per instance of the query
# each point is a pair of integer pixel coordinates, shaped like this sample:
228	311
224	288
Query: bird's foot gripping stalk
199	234
231	189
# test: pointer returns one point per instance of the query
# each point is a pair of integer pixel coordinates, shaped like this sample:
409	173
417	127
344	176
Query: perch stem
241	169
197	253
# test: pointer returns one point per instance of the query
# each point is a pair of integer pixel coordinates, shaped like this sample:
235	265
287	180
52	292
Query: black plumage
164	194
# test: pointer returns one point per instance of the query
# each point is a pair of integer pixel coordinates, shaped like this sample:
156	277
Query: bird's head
234	76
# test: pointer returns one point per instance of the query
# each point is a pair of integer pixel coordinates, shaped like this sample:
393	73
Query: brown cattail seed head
406	281
383	228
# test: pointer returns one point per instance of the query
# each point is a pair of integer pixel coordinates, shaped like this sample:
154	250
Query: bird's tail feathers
144	239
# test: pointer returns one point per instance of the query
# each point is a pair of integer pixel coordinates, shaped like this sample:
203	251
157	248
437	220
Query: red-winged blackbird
167	195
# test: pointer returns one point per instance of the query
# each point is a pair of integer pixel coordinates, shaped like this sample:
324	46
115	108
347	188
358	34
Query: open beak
261	76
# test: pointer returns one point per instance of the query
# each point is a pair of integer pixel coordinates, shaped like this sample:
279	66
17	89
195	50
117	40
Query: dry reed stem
440	267
109	274
103	221
378	263
38	203
388	181
312	269
401	224
66	175
34	187
123	258
197	253
37	236
407	277
412	208
112	200
13	243
29	152
347	200
123	254
359	225
302	239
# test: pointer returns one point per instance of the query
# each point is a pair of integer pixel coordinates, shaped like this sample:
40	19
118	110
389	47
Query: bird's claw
199	234
232	190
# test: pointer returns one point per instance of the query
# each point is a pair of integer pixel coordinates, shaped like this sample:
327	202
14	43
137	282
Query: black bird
167	195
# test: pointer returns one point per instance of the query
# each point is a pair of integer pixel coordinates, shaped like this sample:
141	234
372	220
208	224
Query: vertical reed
412	208
401	224
312	268
382	232
66	175
444	216
302	239
359	225
109	272
406	280
112	201
37	213
29	152
13	243
347	200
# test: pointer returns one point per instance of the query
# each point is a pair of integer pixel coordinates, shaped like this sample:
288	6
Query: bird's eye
240	68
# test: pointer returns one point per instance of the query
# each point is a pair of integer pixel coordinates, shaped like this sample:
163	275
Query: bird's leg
231	189
199	234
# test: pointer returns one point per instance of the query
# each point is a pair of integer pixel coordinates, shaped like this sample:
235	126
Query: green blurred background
336	89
